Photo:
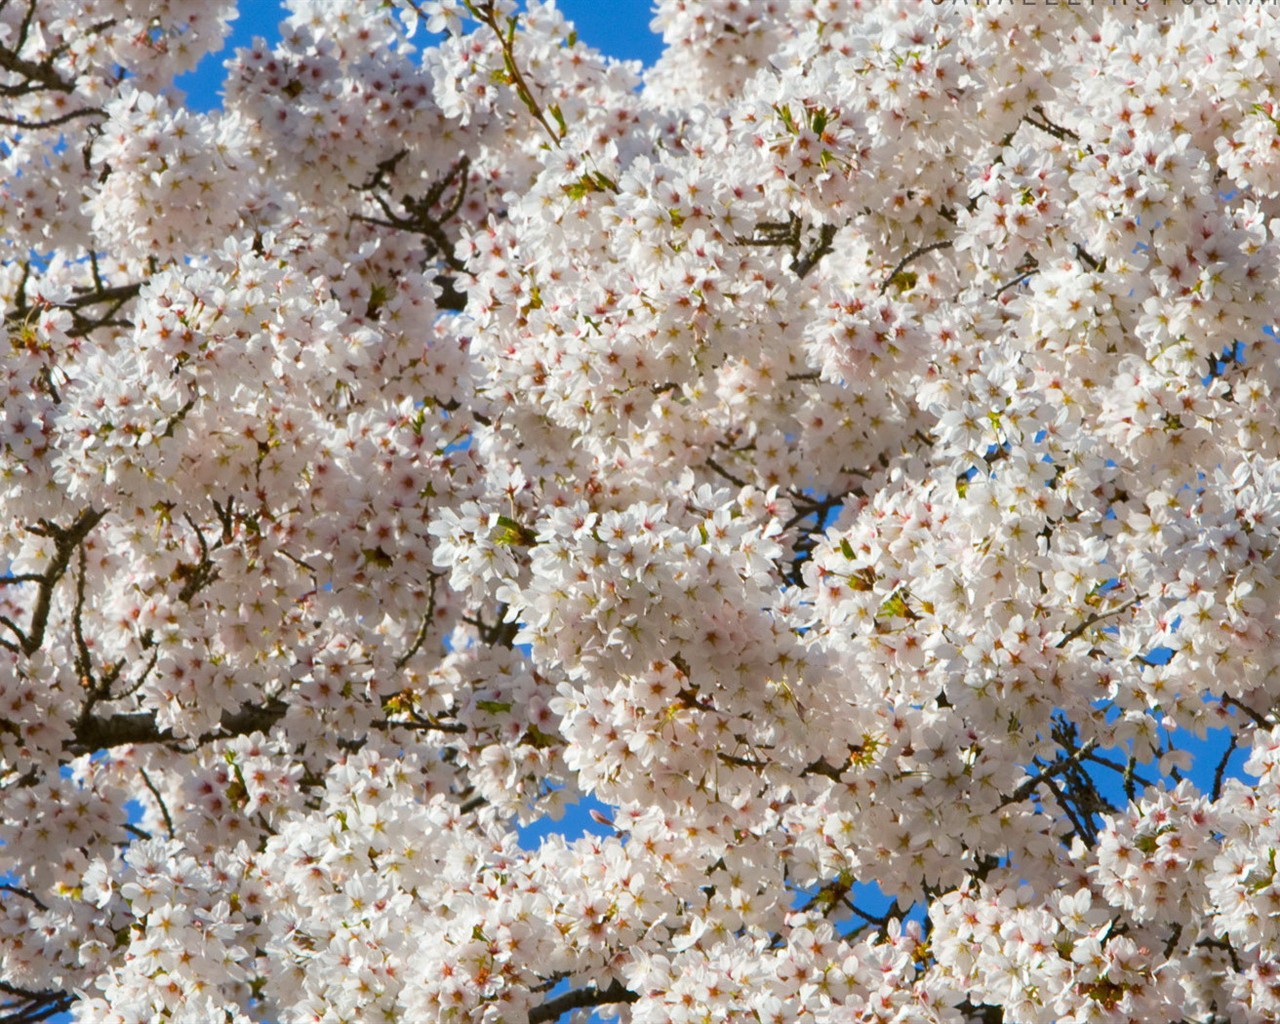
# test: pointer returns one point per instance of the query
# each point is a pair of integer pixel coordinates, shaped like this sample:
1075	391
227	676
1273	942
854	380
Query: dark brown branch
1057	768
420	724
114	298
1045	125
1098	617
42	73
140	727
823	768
1126	770
53	122
1090	261
719	470
910	257
777	234
805	263
66	541
554	1009
427	618
1082	826
117	293
1226	947
1028	270
419	218
17	890
1258	720
164	811
806	507
84	664
450	297
381	172
196	577
35	1006
26	577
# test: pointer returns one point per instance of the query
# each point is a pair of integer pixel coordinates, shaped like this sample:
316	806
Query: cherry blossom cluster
842	460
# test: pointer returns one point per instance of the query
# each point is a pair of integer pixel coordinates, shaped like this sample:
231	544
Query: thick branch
34	1006
30	70
822	247
554	1009
65	543
95	733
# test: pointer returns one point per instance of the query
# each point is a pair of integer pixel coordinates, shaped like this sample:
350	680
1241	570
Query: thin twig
1096	618
164	811
1258	719
1045	125
915	254
1057	768
428	617
719	470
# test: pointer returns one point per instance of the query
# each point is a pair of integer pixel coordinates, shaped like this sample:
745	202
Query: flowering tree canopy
847	453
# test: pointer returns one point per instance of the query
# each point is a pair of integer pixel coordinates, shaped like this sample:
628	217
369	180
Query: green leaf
494	707
378	557
590	182
903	281
1258	108
535	737
863	580
895	607
581	188
846	548
509	533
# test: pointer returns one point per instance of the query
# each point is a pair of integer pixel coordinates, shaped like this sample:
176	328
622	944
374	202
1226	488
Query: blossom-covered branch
838	464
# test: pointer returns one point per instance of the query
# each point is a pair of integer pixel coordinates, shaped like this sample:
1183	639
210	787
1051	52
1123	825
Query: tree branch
910	257
1098	617
805	263
1057	768
140	727
65	541
554	1009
